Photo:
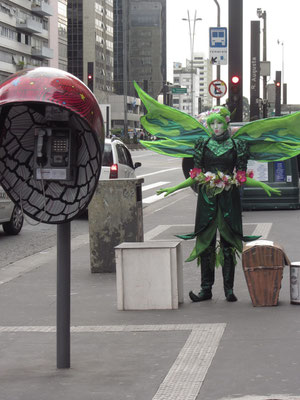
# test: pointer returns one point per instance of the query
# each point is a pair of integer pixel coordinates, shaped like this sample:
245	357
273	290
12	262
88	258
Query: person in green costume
220	168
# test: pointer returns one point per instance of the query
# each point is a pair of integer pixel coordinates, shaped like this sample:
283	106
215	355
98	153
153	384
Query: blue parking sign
218	37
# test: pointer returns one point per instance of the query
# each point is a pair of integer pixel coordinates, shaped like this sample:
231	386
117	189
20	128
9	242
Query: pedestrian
220	169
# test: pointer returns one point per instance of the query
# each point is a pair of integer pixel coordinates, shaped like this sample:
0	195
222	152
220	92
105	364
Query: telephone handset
41	155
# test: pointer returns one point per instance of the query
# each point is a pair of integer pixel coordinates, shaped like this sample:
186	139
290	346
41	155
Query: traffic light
235	65
278	93
90	75
235	101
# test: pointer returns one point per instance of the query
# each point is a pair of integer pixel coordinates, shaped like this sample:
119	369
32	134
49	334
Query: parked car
11	215
117	161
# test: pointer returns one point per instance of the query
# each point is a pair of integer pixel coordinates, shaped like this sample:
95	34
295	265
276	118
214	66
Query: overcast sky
283	24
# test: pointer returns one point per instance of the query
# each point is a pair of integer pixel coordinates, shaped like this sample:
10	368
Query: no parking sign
217	88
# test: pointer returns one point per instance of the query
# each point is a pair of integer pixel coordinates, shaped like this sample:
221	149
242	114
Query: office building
90	41
196	79
205	77
140	27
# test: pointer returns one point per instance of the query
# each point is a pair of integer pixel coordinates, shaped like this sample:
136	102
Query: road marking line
158	172
153	185
185	377
269	397
262	229
156	197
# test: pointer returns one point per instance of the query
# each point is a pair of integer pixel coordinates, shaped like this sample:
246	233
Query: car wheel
15	224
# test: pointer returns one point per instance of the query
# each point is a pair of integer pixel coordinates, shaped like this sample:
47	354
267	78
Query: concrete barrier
149	275
115	216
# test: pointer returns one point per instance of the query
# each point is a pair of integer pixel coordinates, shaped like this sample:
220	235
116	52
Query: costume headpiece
219	110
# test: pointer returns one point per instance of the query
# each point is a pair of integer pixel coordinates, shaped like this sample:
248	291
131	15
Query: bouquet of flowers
215	182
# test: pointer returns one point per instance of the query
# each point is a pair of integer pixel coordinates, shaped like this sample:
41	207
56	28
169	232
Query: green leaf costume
180	135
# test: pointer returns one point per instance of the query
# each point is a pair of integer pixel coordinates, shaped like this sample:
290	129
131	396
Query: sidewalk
210	351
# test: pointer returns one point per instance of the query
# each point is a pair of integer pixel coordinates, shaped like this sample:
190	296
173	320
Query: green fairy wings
270	139
176	131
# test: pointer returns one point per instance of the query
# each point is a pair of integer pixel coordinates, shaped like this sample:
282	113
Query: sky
283	24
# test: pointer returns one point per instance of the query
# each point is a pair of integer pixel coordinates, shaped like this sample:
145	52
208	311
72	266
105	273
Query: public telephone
54	149
54	154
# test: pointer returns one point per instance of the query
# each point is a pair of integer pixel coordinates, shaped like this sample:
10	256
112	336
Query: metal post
192	38
263	15
282	70
63	295
125	77
218	66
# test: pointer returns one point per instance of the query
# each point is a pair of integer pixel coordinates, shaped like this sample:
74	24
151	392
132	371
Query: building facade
25	35
196	79
62	29
205	77
140	27
90	40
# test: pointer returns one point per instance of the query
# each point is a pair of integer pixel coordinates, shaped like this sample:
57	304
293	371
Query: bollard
295	282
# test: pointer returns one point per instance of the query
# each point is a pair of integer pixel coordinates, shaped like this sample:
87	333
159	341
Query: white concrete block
149	275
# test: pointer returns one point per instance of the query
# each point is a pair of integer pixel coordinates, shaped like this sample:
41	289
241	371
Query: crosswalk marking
154	185
158	172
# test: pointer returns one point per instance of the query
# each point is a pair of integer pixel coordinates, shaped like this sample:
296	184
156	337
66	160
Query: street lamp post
263	15
192	37
218	66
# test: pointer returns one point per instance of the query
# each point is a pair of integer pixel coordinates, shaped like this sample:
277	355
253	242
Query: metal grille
46	201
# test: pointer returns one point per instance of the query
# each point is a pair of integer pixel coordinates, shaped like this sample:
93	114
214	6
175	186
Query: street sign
178	90
218	56
218	46
218	37
217	88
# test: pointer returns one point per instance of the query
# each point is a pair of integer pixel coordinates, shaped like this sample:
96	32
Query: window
107	155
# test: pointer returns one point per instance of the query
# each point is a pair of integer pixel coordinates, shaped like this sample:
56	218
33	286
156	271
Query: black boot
228	274
207	276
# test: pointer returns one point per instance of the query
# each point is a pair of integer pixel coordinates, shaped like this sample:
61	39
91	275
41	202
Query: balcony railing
42	8
44	52
30	25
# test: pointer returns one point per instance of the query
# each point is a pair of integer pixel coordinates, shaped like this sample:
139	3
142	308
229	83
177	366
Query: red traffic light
90	76
277	84
235	79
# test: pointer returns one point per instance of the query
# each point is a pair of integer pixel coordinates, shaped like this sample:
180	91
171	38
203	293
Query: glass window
121	154
107	155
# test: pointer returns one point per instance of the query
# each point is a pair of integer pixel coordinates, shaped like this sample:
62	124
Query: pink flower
250	174
195	172
241	176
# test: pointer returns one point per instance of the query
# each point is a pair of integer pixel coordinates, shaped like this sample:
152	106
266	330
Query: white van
117	161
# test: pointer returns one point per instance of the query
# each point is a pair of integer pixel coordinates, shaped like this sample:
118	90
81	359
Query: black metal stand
63	295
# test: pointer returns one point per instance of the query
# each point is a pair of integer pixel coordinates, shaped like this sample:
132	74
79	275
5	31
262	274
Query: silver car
11	216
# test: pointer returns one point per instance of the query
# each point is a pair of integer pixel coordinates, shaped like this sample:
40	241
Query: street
177	210
239	349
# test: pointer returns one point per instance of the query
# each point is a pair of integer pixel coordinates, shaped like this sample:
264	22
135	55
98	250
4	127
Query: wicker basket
263	263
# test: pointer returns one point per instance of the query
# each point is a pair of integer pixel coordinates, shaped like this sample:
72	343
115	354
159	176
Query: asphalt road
177	211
